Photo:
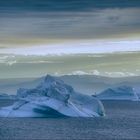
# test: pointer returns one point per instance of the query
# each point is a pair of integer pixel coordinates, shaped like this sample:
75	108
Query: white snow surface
53	98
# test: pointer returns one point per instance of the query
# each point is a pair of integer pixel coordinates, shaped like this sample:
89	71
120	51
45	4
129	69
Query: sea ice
53	98
119	93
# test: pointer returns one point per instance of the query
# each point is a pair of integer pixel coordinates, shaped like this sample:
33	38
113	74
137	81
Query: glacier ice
53	98
119	93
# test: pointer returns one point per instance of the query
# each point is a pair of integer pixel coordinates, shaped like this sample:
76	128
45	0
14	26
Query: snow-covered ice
119	93
53	98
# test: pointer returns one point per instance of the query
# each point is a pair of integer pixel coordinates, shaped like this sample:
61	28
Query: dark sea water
121	122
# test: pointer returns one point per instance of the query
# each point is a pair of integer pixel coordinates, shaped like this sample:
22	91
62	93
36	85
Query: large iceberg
53	98
119	93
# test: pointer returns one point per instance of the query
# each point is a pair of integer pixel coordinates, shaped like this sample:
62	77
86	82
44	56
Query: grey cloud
70	24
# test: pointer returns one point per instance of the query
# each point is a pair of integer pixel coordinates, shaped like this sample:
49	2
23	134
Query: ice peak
51	87
52	96
49	79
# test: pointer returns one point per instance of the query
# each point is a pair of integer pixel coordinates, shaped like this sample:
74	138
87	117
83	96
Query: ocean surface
121	122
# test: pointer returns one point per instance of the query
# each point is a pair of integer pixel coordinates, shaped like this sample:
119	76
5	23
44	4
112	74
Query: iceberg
3	96
53	98
119	93
6	96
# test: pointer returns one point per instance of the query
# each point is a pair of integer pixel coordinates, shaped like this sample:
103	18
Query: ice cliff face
119	93
53	98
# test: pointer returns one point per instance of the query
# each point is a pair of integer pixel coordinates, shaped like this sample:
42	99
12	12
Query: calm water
121	122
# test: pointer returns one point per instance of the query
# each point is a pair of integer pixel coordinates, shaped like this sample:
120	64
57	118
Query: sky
37	21
44	27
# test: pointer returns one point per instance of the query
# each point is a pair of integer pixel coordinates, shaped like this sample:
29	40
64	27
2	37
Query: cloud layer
92	24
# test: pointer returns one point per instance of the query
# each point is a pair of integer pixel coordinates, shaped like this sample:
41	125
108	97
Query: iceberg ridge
53	98
119	93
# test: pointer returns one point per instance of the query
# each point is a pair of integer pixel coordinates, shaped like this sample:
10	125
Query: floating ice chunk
6	96
118	93
53	98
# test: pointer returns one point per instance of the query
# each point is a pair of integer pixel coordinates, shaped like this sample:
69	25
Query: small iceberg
119	93
6	96
53	98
